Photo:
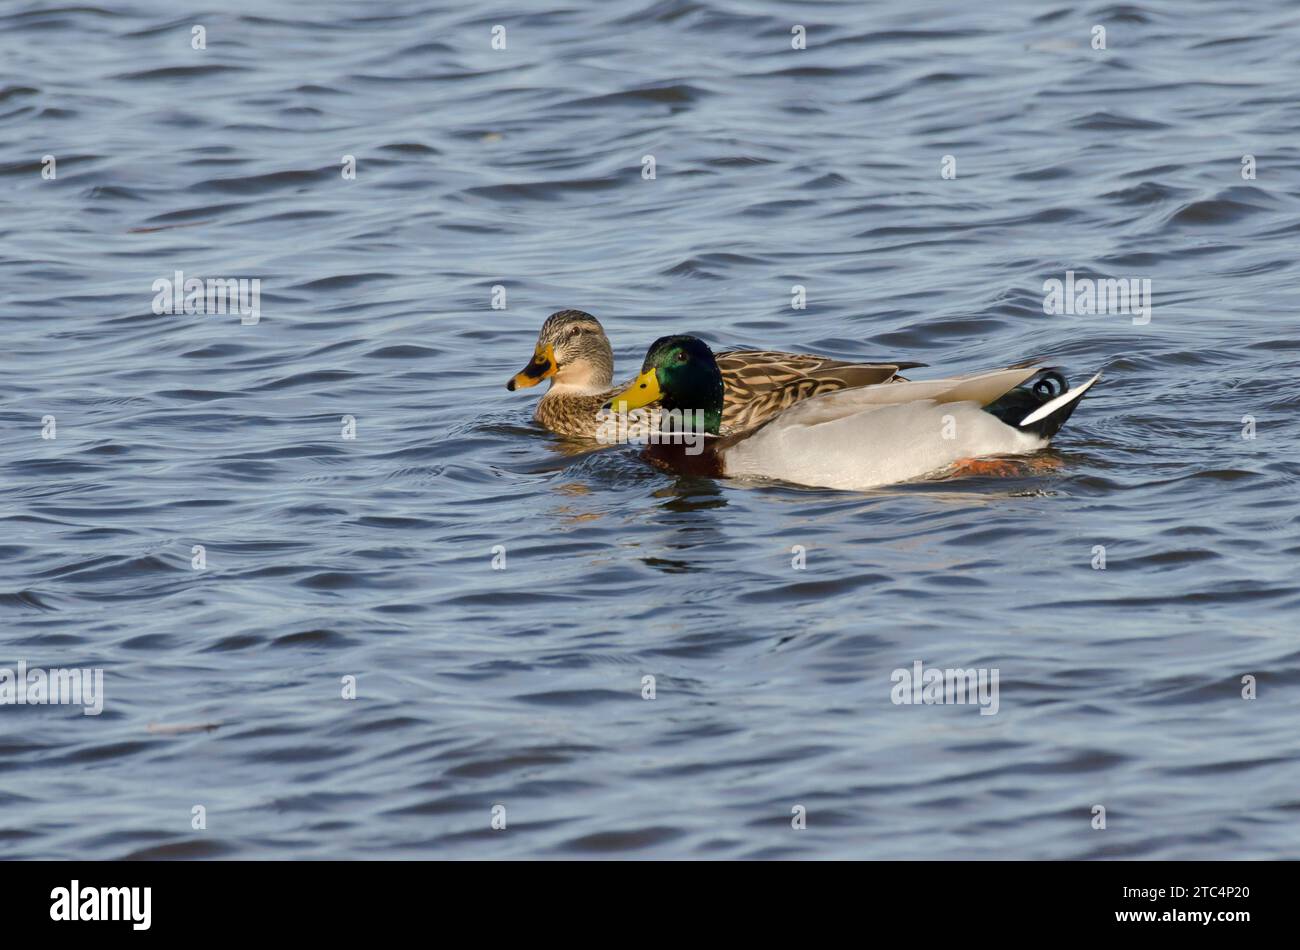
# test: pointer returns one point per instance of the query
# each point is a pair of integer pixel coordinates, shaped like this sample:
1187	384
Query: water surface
522	687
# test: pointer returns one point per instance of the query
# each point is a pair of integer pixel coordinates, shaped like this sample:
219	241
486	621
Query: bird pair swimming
795	417
573	352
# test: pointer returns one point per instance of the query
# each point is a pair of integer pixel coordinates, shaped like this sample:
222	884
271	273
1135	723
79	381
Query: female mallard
573	352
854	438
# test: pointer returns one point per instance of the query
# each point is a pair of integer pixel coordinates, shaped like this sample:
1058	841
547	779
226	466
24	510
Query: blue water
373	557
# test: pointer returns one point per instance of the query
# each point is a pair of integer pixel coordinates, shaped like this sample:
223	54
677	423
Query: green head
679	372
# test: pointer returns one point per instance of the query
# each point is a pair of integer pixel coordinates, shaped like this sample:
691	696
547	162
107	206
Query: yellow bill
643	391
539	368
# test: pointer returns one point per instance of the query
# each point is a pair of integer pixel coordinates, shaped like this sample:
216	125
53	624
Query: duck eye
681	357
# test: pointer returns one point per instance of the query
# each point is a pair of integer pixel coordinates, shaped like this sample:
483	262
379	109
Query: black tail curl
1017	405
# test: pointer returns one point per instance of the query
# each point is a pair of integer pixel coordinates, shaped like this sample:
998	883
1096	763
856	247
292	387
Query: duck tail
1042	405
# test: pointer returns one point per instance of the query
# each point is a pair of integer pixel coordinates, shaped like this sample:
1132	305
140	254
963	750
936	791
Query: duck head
679	373
572	350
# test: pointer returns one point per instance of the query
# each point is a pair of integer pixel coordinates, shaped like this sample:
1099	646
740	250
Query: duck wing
980	388
760	384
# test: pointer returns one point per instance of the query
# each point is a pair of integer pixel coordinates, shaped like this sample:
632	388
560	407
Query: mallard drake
850	439
573	352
